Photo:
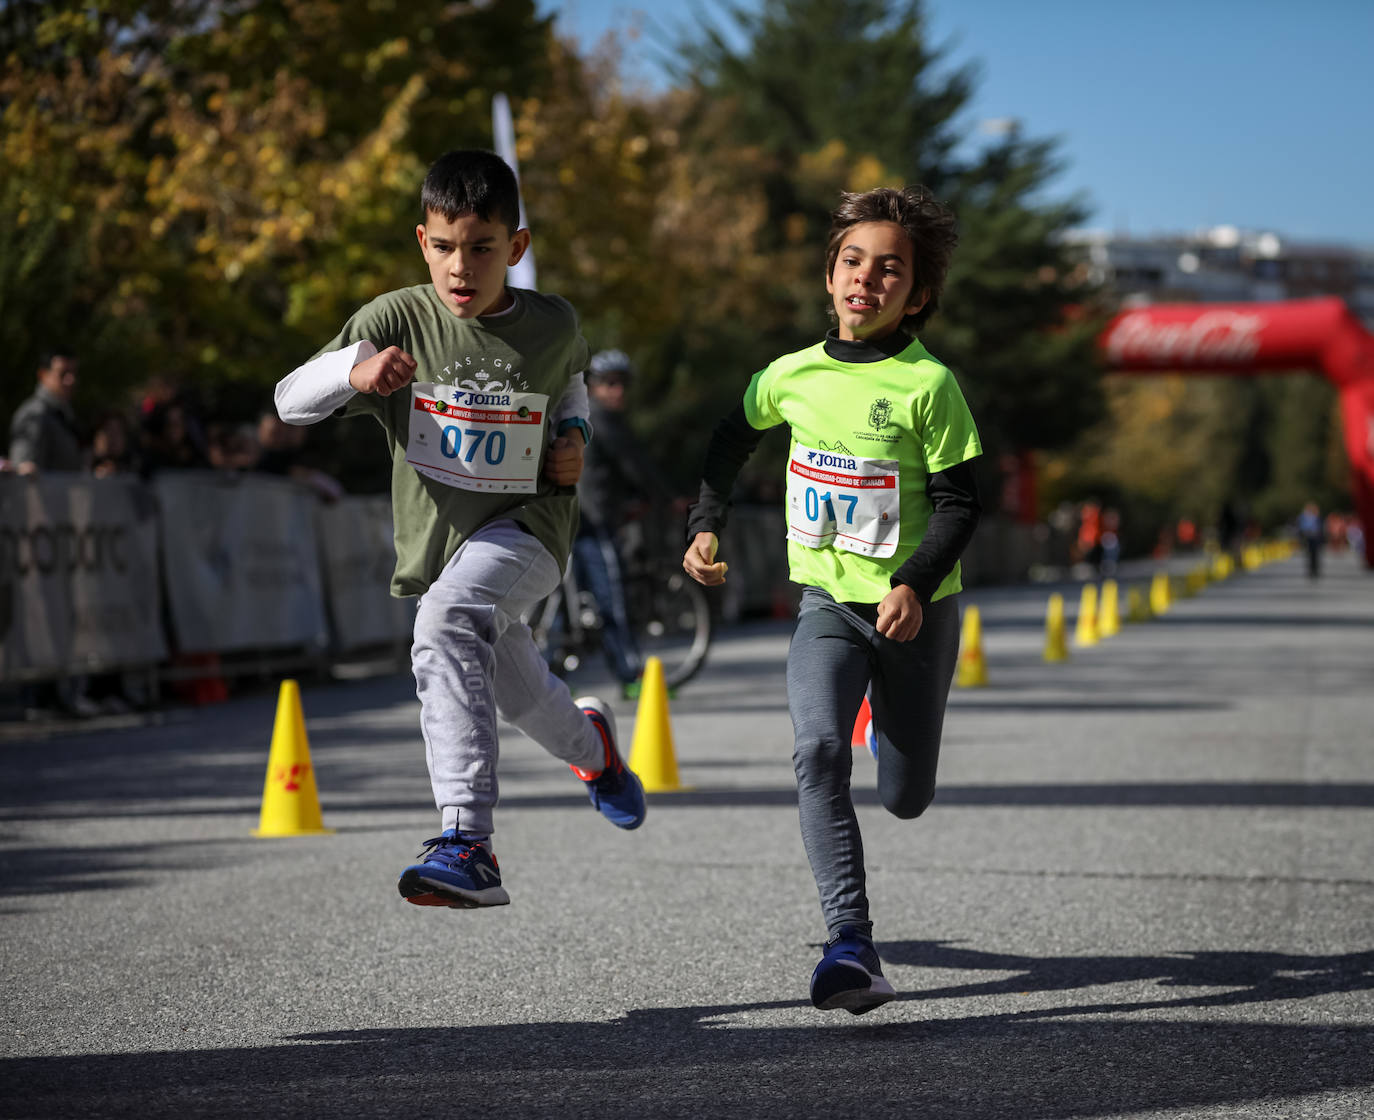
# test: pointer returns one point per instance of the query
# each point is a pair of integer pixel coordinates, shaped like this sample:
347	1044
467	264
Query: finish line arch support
1245	339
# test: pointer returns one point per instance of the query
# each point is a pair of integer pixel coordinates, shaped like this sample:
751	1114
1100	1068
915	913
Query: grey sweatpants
473	657
836	652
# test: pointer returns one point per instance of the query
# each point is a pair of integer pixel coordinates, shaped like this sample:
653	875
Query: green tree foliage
202	190
848	97
1184	446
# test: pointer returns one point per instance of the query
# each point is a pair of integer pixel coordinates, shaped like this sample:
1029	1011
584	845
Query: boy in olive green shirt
478	389
881	500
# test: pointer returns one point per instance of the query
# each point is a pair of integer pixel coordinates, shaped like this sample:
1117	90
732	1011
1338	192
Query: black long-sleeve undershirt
953	494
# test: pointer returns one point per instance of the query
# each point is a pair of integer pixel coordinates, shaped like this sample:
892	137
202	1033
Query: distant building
1225	264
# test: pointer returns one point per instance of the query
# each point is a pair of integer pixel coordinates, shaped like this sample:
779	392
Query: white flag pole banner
521	274
79	587
357	543
241	560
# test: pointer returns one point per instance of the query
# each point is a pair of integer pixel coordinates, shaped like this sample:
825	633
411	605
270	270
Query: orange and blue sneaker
850	975
614	790
454	870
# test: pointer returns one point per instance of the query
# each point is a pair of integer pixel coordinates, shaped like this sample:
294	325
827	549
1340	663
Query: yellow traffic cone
290	801
1085	633
1137	609
1056	641
1222	567
1109	610
973	666
1160	594
652	756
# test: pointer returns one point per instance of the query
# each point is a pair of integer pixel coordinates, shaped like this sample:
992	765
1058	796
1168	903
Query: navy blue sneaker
850	975
615	791
454	872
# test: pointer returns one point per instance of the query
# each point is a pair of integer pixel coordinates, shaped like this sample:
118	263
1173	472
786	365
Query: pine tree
853	96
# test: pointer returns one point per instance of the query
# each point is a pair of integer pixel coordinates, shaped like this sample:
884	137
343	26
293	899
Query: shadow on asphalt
712	1061
1240	977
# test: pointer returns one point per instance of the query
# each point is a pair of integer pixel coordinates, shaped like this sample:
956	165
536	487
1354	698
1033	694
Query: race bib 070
477	441
842	501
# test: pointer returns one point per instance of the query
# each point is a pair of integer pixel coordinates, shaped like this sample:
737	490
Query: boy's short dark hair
929	224
472	181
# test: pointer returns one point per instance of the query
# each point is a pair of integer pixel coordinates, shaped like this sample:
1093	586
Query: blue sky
1171	116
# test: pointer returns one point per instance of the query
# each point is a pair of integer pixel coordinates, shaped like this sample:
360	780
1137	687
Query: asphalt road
1146	889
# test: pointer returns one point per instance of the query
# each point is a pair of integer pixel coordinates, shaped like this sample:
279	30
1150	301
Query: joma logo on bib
821	459
461	397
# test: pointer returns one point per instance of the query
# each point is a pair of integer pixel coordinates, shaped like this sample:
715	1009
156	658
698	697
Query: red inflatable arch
1322	335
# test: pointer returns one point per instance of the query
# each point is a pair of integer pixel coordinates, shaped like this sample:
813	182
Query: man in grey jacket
43	435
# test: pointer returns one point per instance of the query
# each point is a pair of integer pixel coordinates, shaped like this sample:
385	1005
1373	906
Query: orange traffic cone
290	801
652	756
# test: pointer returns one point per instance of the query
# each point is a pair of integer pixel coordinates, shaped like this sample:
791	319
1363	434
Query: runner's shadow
728	1060
1236	977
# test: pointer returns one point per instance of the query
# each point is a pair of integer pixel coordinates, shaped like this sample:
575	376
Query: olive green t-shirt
905	411
537	347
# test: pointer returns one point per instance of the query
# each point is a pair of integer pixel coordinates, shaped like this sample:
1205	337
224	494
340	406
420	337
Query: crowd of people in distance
163	432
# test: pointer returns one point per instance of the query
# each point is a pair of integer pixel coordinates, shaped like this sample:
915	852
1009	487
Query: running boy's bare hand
384	372
563	464
900	614
700	562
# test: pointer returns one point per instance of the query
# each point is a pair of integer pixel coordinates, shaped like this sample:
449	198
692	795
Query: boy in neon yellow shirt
881	501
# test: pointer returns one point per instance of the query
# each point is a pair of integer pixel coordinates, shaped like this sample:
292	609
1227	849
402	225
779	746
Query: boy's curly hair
928	223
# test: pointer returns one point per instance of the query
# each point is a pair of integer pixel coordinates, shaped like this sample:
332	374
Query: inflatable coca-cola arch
1322	335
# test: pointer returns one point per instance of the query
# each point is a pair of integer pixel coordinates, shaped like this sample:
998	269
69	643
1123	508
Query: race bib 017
842	501
477	441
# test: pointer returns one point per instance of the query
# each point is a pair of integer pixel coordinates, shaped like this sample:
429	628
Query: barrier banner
78	575
356	543
242	566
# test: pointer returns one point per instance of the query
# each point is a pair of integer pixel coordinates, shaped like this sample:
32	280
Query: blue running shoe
615	791
850	975
454	872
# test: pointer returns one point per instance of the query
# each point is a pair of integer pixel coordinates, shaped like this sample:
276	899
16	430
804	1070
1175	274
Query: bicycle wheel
671	618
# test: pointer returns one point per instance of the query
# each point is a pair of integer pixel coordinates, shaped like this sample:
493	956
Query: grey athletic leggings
836	652
473	658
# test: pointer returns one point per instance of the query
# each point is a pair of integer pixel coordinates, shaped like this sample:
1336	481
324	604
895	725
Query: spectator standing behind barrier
44	437
479	389
616	468
1311	532
43	431
172	436
112	446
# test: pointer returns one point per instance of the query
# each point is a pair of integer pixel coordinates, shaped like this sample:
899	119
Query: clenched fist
563	464
384	372
900	614
700	561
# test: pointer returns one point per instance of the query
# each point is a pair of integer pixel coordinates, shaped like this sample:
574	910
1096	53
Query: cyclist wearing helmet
615	469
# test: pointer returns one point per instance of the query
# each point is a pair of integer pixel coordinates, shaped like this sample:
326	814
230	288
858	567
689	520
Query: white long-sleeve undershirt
316	390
